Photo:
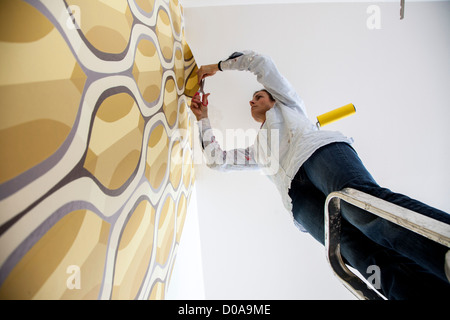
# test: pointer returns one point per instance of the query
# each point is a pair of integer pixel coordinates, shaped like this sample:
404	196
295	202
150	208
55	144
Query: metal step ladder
428	227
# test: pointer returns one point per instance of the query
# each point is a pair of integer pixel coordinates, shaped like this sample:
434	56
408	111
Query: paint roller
336	114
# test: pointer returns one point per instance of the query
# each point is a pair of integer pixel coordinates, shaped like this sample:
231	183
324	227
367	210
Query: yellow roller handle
335	114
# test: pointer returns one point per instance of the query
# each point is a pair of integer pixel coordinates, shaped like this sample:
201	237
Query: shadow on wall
96	147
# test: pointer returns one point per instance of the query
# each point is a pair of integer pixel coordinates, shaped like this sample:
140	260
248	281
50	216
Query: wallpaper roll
96	159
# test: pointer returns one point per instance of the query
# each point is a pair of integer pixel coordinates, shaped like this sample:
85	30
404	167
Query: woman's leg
308	202
400	278
337	166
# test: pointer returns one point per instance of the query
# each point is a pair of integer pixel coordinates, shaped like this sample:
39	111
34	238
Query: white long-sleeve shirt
286	139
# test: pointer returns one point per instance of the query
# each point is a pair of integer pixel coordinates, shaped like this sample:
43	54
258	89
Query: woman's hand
199	106
207	71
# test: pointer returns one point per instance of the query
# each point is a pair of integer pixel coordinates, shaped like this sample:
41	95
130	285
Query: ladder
423	225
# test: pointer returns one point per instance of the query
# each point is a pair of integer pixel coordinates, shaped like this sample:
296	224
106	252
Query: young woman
312	163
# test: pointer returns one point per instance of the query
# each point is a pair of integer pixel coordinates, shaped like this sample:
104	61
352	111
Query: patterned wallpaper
96	161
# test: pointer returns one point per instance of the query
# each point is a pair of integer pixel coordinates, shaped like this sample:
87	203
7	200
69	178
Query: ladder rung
426	226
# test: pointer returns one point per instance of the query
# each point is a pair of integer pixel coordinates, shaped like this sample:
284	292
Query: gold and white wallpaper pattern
96	161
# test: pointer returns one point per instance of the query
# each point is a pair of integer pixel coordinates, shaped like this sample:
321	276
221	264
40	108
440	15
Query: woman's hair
268	93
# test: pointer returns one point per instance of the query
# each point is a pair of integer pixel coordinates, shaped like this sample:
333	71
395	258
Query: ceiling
211	3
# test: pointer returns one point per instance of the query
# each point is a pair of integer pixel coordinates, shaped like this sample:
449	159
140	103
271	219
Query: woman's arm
216	158
266	73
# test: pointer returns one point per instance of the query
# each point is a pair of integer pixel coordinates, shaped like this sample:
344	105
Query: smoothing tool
336	114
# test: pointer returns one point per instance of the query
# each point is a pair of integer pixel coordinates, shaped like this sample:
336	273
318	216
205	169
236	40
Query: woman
312	163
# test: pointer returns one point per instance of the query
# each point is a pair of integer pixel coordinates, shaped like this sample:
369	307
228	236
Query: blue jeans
411	265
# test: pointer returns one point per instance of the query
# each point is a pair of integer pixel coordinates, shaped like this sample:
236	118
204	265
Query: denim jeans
411	265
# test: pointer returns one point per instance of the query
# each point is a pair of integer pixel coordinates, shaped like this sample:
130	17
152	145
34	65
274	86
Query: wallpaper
96	161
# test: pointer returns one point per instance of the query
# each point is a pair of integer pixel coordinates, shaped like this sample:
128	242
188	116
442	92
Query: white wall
398	78
187	280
